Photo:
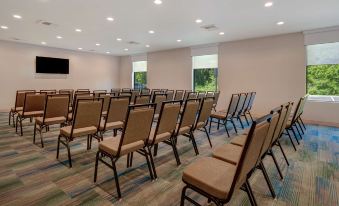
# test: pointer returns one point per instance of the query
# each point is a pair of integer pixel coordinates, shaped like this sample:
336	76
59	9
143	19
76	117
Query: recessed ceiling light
17	16
80	48
151	32
158	2
59	37
43	42
126	49
4	27
78	30
110	19
221	33
280	23
198	21
108	52
97	44
119	39
268	4
179	40
147	46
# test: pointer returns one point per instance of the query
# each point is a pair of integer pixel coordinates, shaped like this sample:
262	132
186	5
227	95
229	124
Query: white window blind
323	54
205	61
140	66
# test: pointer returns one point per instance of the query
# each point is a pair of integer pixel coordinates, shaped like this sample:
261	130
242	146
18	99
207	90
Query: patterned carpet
30	175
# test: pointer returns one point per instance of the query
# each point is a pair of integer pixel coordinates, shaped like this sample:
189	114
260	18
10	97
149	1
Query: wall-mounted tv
52	65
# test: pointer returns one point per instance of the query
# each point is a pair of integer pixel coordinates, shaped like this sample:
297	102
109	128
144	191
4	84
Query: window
139	75
205	73
323	72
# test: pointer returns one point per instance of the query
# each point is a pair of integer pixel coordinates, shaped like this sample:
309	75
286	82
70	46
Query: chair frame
12	113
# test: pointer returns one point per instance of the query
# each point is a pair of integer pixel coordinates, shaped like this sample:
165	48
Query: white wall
87	70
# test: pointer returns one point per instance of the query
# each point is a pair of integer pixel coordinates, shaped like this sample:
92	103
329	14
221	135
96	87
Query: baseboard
330	124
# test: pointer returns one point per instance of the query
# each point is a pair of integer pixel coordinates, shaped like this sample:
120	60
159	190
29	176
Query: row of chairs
239	106
232	165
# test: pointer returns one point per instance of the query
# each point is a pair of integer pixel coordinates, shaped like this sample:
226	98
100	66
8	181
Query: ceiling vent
46	23
210	27
133	42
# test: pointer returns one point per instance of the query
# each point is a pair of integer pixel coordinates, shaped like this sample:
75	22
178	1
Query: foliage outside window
205	73
323	71
139	75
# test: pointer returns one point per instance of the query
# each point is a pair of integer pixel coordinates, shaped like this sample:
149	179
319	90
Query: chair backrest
20	97
158	99
246	102
205	111
170	95
82	91
209	94
106	98
98	92
34	102
145	91
241	101
189	113
201	95
186	93
126	94
142	99
87	113
115	91
250	152
192	95
250	104
56	106
126	89
216	97
284	110
48	91
68	91
134	94
168	118
117	110
179	95
233	105
138	124
287	116
303	104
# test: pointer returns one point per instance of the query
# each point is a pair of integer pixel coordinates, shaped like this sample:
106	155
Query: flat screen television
52	65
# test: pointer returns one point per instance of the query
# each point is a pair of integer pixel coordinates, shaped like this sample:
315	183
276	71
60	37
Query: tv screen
52	65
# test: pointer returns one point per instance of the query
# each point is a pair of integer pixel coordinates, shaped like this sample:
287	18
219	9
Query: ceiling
171	21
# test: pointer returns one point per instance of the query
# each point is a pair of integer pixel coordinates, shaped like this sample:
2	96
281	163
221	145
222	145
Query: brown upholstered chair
186	125
106	98
145	91
97	93
116	114
142	99
126	90
82	91
135	92
179	94
240	107
71	94
186	94
226	116
248	108
133	139
87	115
34	104
158	98
18	106
126	94
77	96
48	91
164	131
216	95
170	95
115	91
56	111
217	180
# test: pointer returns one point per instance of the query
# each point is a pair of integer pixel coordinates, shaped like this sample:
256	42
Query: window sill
323	98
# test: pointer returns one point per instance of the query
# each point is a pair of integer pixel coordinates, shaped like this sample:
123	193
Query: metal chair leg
289	136
149	165
116	178
295	135
152	163
268	181
175	151
276	164
283	152
69	154
225	124
208	137
96	166
194	143
235	128
250	193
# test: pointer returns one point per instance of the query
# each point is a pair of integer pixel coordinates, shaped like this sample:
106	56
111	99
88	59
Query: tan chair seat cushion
239	140
111	125
211	175
219	115
111	145
66	131
229	153
50	121
31	114
183	130
13	109
159	138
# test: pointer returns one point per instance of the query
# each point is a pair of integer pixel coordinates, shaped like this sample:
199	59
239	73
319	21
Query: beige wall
125	72
17	70
170	69
274	67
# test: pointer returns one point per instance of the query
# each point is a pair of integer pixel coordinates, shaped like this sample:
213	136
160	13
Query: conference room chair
179	94
116	115
170	95
217	180
158	98
87	116
186	124
201	95
97	93
192	95
18	105
126	90
142	99
71	94
106	98
48	91
78	91
204	115
133	139
115	91
145	91
186	94
126	94
250	105
245	107
223	117
135	92
215	95
77	96
239	109
56	111
164	130
34	104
